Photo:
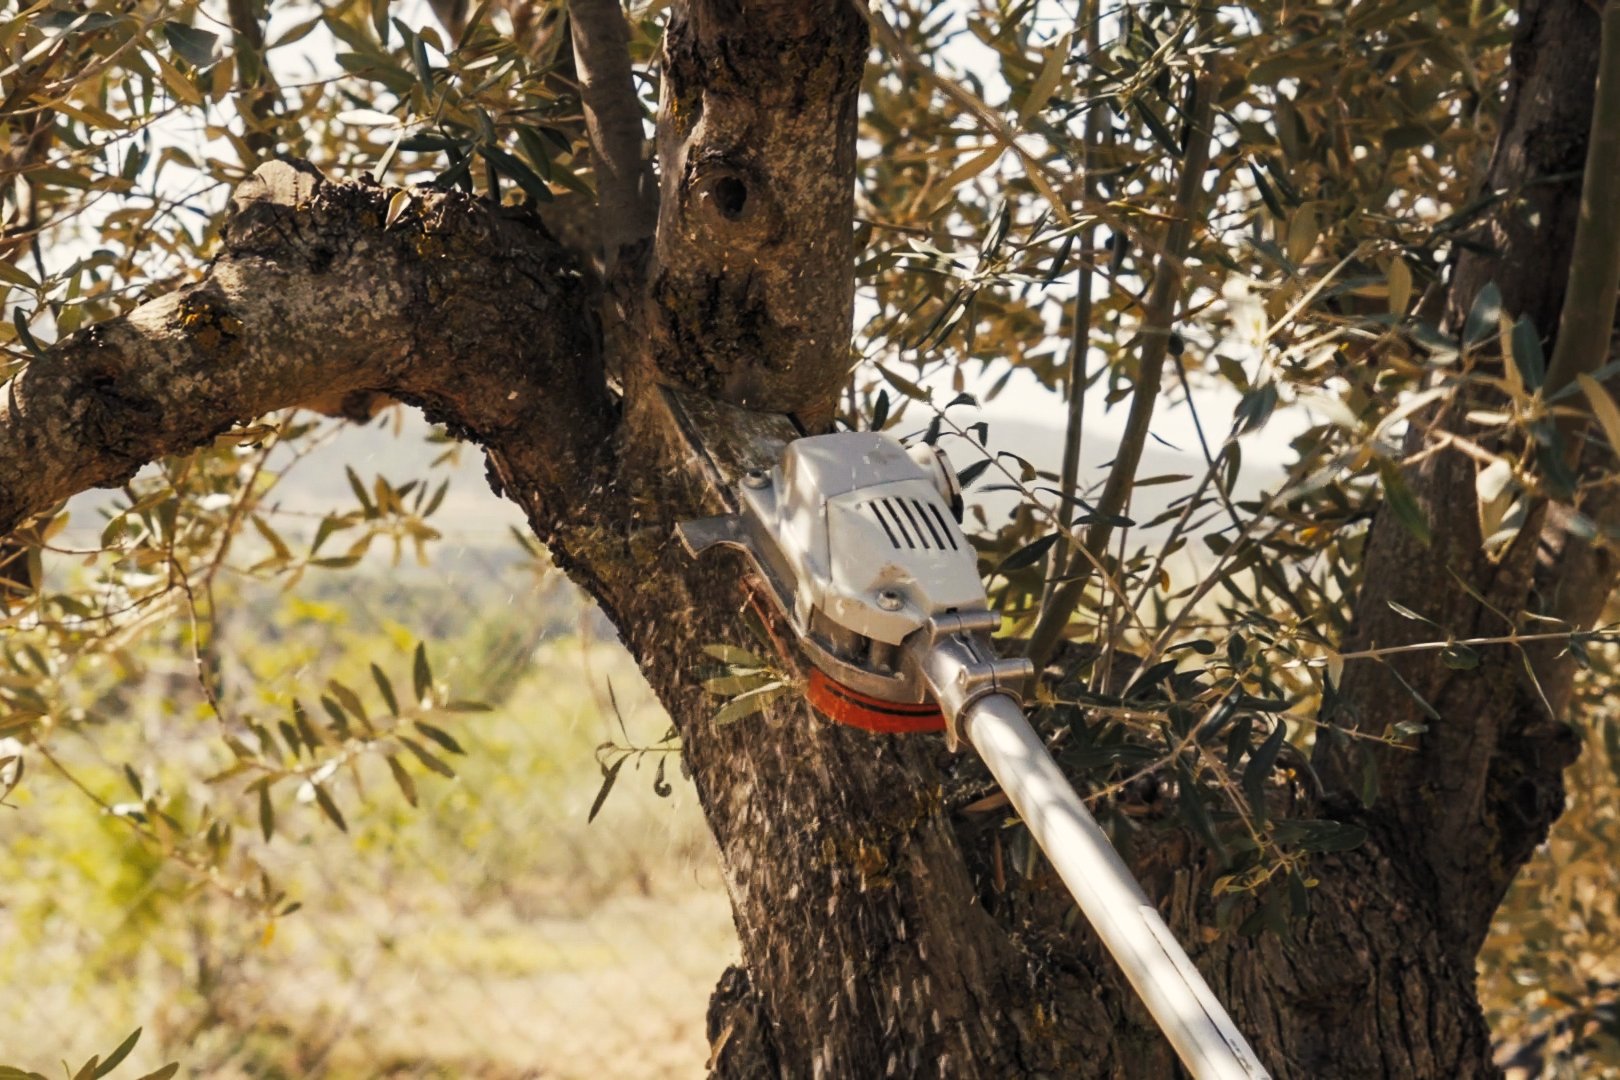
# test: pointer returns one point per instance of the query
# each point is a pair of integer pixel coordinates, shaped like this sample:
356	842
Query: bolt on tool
857	542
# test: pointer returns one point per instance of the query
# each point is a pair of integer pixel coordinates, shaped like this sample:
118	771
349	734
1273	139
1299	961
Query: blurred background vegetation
487	932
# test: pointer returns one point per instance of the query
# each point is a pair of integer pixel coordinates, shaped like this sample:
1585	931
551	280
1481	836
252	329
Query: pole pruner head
857	542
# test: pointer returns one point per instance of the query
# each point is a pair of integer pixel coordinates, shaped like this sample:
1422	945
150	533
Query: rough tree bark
874	941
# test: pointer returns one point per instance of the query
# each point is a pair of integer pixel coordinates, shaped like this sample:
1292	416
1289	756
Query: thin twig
1213	463
1160	309
1080	334
206	873
1501	639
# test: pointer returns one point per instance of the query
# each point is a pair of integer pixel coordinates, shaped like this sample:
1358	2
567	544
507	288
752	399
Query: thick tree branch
468	312
751	293
1575	572
1594	266
626	198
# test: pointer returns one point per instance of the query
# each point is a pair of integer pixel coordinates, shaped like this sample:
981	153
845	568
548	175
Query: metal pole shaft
1185	1008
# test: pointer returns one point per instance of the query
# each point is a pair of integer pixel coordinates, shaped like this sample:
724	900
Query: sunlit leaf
386	689
407	786
267	814
324	800
440	736
421	674
116	1058
748	704
426	757
1398	497
1029	554
1483	316
1603	407
731	654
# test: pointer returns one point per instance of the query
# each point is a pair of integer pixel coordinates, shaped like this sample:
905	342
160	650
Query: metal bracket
960	666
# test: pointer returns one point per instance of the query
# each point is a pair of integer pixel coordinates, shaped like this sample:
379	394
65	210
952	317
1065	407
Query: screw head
890	600
756	478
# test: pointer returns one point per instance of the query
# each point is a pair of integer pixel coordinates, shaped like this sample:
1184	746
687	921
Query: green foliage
1339	179
97	1066
488	880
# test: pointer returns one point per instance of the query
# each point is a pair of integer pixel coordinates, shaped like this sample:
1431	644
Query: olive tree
1326	747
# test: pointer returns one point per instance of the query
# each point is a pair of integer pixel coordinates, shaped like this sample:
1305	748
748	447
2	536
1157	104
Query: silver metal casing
867	539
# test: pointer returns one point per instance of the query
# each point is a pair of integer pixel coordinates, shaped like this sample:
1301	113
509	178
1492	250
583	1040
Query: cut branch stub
752	290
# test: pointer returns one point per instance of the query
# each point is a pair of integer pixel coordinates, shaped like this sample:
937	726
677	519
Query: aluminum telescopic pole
1207	1041
993	723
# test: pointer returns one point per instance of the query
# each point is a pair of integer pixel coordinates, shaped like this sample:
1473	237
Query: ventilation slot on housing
912	523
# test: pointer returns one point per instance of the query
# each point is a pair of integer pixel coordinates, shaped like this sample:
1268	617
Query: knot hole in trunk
731	204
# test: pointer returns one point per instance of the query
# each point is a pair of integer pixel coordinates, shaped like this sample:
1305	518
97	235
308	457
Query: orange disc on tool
838	702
